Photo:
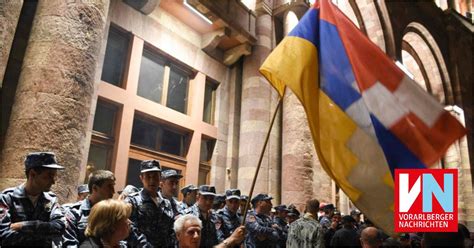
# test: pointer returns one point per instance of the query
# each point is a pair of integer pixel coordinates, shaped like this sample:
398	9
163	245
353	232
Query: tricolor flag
367	118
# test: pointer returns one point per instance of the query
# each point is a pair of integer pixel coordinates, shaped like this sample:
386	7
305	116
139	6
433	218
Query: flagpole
280	101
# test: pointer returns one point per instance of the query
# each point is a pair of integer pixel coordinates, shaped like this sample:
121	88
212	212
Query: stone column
9	15
256	108
55	90
457	157
303	176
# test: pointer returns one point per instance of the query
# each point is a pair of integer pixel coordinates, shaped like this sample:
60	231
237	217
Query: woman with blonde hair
108	224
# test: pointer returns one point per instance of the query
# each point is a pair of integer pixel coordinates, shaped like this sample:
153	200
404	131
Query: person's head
371	238
262	203
329	210
348	222
205	197
219	202
188	230
312	207
108	220
129	189
170	183
41	169
244	199
281	211
436	239
336	217
293	214
404	239
356	215
82	192
150	172
101	185
232	200
189	194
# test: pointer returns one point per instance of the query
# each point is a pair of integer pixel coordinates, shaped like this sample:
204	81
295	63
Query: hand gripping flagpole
280	100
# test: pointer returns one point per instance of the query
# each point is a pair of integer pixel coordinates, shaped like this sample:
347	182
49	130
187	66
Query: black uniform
42	224
76	217
230	221
282	231
152	221
260	232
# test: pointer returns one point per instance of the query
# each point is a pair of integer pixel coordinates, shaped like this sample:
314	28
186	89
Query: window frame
169	64
104	140
214	85
161	125
126	66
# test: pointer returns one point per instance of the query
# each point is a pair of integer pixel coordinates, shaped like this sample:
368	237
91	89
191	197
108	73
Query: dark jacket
230	221
42	224
76	218
260	232
151	223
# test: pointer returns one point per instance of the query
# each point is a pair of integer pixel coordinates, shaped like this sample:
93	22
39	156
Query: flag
367	118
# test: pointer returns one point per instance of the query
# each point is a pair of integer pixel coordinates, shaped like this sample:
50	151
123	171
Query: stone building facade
105	84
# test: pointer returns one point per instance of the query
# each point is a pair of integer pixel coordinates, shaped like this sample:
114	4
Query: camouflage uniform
325	222
177	210
260	232
282	232
305	232
76	218
183	206
42	224
230	221
152	223
209	235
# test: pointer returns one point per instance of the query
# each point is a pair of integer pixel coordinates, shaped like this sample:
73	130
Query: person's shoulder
134	197
8	191
89	243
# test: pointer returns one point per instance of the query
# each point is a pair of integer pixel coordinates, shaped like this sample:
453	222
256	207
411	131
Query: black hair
99	177
38	170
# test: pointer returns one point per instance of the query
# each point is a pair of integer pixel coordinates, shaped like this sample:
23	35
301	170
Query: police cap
149	165
232	194
42	159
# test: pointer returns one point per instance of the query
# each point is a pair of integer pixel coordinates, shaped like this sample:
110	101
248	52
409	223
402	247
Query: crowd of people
30	215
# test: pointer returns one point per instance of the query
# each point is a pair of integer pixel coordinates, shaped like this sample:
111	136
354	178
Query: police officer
101	184
231	218
202	209
262	232
30	214
189	196
244	199
82	192
280	220
293	214
169	188
152	215
326	218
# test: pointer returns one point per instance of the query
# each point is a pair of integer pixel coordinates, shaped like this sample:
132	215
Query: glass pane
133	173
98	159
173	143
202	177
177	91
208	99
207	147
144	134
104	119
115	57
150	82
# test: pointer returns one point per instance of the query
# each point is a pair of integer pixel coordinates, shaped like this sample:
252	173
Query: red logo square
426	200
